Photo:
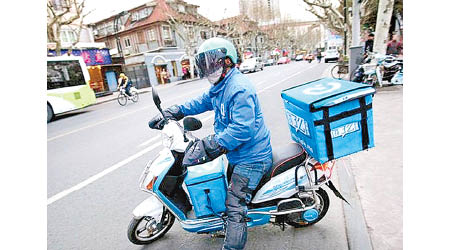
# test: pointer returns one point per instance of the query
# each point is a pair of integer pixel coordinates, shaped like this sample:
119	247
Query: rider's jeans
244	179
127	89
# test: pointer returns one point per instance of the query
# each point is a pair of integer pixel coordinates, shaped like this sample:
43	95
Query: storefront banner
91	56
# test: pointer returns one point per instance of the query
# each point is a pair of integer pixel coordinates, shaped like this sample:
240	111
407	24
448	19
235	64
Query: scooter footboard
149	207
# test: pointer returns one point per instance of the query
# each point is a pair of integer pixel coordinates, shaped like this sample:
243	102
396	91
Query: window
127	42
166	33
64	74
143	13
68	36
203	35
151	35
181	8
141	37
190	32
134	16
60	4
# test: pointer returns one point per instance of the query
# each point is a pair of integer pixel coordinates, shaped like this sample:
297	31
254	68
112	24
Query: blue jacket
239	123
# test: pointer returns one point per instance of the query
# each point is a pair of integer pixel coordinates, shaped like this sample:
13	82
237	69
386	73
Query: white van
331	54
251	64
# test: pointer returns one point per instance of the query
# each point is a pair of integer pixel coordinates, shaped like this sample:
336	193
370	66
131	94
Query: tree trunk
384	15
356	24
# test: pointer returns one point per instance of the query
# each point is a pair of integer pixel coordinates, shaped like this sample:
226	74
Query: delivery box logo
320	89
344	130
298	123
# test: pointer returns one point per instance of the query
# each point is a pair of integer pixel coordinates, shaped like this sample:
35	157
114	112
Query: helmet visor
210	62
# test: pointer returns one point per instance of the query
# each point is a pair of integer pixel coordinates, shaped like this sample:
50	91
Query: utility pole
385	9
345	27
116	31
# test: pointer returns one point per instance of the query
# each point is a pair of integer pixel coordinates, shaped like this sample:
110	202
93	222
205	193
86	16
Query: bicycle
123	98
339	70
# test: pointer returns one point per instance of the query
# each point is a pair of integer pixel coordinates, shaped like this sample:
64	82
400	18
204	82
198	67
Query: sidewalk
378	172
114	95
372	180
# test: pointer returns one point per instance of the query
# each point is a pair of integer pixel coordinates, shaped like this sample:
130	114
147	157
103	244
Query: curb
358	237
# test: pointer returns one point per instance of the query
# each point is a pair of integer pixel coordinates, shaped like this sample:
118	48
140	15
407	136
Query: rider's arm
197	105
242	125
119	82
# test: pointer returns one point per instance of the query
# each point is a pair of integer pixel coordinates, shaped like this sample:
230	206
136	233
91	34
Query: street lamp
116	29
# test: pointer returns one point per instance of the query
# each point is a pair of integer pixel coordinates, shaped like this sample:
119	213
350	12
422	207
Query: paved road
95	158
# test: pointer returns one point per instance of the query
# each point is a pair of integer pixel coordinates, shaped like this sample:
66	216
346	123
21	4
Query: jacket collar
214	90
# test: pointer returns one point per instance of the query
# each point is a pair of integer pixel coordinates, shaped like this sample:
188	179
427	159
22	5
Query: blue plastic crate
207	188
330	118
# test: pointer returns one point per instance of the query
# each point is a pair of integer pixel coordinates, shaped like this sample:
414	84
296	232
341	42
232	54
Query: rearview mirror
156	99
191	124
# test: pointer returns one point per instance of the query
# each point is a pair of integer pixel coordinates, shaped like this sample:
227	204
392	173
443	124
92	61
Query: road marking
100	175
112	118
270	86
149	141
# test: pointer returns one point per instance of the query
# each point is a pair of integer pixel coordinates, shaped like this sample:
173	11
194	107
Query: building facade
156	39
76	38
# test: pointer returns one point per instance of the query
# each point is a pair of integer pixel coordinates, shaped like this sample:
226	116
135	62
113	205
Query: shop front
164	67
103	73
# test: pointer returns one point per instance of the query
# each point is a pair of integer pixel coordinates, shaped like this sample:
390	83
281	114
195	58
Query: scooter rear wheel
139	234
295	219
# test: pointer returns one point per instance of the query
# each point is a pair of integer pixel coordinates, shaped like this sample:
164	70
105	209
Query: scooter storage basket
207	187
330	118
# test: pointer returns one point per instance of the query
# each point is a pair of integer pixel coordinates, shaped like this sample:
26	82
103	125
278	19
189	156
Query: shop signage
91	56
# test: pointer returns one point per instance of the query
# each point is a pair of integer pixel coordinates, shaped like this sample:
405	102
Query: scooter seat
284	158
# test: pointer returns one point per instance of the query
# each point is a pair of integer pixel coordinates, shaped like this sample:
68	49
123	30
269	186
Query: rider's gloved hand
201	151
172	113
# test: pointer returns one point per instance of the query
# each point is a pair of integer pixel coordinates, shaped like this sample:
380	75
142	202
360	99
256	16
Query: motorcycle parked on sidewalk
290	193
123	98
376	69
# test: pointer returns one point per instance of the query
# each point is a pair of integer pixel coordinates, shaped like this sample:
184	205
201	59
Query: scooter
290	193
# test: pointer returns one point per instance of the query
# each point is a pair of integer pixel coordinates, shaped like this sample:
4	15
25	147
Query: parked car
309	57
331	54
284	60
269	62
251	65
299	57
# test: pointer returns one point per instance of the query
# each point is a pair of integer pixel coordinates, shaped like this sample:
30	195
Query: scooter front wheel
145	230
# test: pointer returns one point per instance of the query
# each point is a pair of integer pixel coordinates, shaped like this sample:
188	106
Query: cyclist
123	80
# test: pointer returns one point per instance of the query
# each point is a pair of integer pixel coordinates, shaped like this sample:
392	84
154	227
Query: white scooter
290	193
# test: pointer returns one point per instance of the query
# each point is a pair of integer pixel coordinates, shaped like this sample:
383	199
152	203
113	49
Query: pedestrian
188	73
163	76
123	82
368	45
395	46
240	132
184	72
319	55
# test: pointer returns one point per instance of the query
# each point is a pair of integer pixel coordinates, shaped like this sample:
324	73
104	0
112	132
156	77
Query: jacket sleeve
242	121
197	105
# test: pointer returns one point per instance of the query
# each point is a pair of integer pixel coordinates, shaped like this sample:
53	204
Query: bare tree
188	27
331	16
384	15
64	13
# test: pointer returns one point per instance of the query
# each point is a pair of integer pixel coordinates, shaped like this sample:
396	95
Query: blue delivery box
330	118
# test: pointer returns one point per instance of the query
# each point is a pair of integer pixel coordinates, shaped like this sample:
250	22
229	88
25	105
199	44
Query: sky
212	9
